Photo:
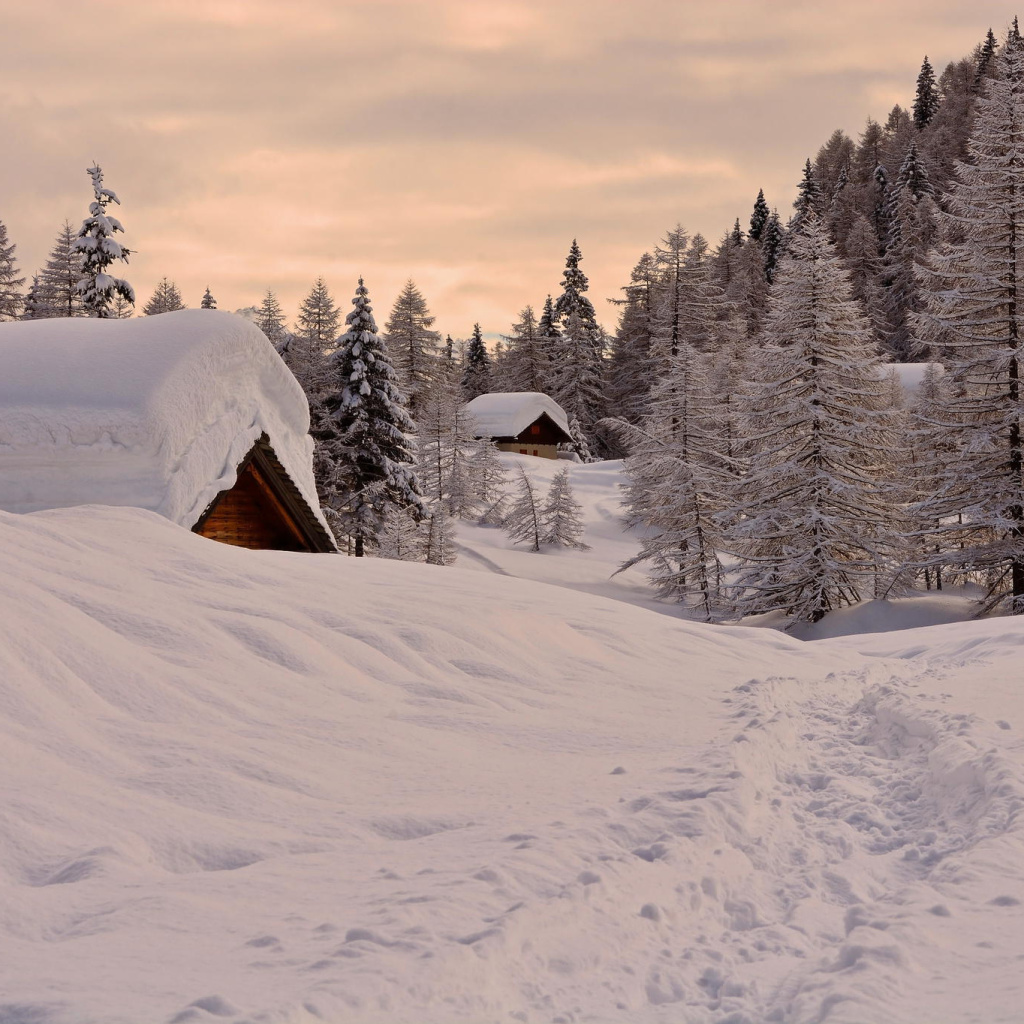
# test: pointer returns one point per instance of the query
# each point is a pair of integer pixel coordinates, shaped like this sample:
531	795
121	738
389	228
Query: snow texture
509	413
237	791
155	412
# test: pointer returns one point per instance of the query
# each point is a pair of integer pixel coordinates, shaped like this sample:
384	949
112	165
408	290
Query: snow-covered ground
259	786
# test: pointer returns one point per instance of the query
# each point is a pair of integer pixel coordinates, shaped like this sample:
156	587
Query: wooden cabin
190	414
527	423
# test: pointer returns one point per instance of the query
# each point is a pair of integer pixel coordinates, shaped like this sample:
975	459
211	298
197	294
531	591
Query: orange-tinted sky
462	143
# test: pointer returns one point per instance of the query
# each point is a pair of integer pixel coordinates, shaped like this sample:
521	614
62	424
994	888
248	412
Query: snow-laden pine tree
363	436
57	292
576	381
166	298
11	300
445	442
36	307
926	102
677	479
811	515
772	241
573	299
476	377
98	250
562	515
759	218
440	542
809	200
270	319
402	537
631	368
523	520
525	367
412	345
579	443
973	294
208	301
318	318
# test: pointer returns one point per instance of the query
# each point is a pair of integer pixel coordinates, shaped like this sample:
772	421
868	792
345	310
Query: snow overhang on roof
509	413
155	412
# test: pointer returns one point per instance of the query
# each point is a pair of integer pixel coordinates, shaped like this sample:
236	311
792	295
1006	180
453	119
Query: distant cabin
191	415
527	422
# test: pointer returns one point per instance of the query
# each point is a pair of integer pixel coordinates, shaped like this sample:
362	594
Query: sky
459	143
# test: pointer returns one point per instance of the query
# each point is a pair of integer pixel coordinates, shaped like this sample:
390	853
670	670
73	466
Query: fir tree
926	102
808	198
319	318
631	368
576	382
208	302
523	521
811	518
771	245
412	345
986	53
98	249
58	293
36	308
526	360
573	298
363	436
270	319
562	515
165	299
476	378
759	218
973	295
11	301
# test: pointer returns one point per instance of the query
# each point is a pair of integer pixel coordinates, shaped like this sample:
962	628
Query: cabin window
522	451
535	429
535	452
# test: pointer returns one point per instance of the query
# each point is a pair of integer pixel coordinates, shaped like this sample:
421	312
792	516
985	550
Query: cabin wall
542	451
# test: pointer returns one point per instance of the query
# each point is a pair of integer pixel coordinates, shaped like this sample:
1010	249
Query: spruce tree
363	434
808	198
631	367
270	319
319	318
573	298
973	296
412	345
36	308
11	301
759	218
208	302
165	299
476	378
98	250
926	102
58	293
576	382
562	515
811	516
772	242
986	52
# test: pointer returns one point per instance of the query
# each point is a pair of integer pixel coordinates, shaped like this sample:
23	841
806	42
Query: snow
237	790
154	412
508	413
910	374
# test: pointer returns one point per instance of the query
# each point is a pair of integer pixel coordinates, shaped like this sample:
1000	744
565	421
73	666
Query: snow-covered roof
509	413
910	374
155	412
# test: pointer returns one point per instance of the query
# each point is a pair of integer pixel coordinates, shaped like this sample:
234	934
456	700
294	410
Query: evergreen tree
926	102
363	435
833	161
523	521
562	515
771	245
812	515
270	319
166	299
57	293
11	301
808	198
983	64
209	302
973	295
631	368
402	538
440	546
759	218
573	299
412	345
99	249
36	307
476	378
577	383
526	360
319	318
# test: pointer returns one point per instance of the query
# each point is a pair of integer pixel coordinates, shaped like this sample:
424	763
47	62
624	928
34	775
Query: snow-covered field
270	787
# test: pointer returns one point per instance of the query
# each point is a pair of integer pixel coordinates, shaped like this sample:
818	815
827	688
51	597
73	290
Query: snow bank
508	413
154	412
235	790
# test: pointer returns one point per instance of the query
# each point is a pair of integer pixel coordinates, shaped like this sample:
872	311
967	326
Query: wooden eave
553	434
286	497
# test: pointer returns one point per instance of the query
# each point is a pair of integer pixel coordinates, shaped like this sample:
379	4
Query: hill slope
269	787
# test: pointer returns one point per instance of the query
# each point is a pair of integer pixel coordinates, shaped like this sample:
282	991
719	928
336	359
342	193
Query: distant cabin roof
509	413
154	412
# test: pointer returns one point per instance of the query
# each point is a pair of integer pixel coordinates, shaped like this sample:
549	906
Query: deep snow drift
261	786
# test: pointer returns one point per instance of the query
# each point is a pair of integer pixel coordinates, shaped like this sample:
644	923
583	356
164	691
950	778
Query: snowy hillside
258	786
